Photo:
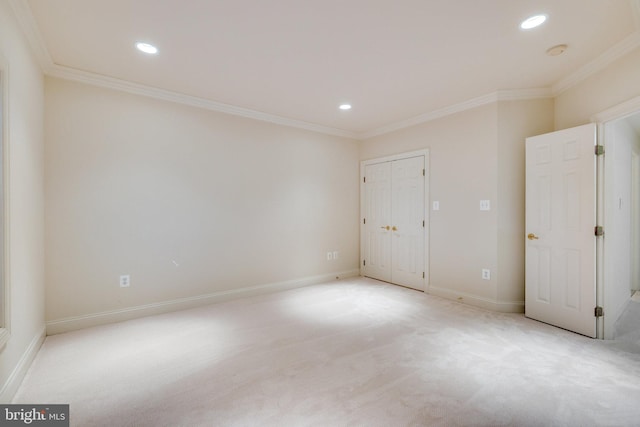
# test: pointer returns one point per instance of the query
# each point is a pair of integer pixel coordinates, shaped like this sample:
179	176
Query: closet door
407	213
377	250
394	222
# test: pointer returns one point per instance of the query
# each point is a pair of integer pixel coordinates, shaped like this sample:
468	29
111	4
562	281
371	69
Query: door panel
407	218
561	214
378	215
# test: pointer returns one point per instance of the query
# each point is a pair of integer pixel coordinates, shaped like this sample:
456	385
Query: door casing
603	119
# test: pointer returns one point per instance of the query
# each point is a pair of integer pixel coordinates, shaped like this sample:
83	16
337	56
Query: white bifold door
560	229
394	233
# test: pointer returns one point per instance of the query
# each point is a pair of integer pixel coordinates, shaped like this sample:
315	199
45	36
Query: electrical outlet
125	281
486	274
329	256
485	205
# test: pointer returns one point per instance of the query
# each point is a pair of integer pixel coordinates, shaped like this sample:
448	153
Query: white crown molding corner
500	95
93	79
30	30
612	54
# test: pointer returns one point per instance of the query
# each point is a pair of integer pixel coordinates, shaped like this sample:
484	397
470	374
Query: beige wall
463	170
617	83
136	185
517	120
25	196
477	154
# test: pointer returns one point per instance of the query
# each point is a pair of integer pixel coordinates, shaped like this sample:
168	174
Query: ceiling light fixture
147	48
345	107
533	22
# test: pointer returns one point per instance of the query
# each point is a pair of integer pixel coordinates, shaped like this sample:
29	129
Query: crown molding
27	23
30	29
433	115
501	95
93	79
89	78
524	94
611	55
615	52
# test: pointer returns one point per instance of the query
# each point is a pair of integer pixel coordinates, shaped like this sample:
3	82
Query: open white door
560	227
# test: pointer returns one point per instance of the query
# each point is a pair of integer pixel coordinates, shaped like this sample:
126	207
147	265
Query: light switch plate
436	206
125	281
485	205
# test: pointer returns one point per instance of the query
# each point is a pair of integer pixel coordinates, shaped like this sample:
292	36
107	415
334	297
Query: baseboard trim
80	322
476	301
10	387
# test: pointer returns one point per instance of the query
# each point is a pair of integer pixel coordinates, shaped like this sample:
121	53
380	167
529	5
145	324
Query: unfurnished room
290	213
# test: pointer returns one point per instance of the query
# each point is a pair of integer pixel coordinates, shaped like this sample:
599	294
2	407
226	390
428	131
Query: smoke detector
557	50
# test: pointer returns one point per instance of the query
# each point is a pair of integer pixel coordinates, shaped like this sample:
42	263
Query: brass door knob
394	228
385	228
532	236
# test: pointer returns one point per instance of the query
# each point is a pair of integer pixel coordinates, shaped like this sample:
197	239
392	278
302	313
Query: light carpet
348	353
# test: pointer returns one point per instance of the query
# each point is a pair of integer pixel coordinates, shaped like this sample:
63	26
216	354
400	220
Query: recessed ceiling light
147	48
533	21
345	107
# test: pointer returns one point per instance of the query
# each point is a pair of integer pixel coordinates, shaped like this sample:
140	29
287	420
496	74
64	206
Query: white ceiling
391	59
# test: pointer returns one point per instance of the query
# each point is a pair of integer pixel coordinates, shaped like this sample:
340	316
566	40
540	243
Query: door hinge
364	221
598	312
364	179
599	230
423	223
422	172
423	274
364	262
599	150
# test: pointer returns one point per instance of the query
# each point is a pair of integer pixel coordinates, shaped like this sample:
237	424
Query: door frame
603	120
427	234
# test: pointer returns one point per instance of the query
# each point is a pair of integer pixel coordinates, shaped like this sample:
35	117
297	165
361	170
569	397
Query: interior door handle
394	228
532	236
385	228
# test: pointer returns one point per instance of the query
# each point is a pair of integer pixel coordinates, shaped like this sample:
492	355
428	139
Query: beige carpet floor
349	353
